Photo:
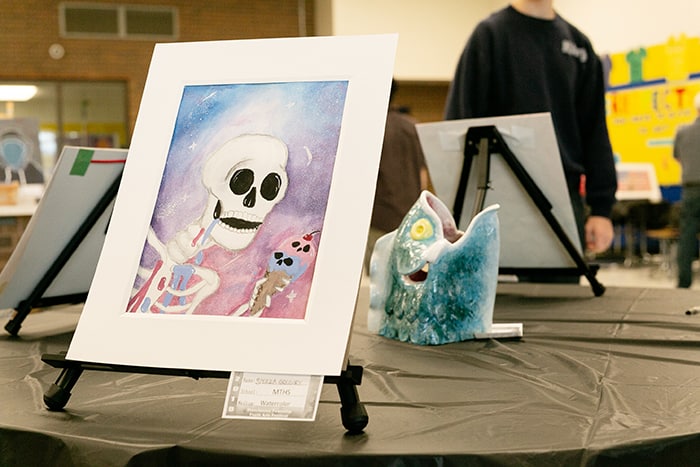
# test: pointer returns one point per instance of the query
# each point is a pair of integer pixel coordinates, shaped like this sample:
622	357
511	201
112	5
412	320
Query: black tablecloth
611	380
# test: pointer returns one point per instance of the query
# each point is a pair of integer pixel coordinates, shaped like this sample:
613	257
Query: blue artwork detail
430	283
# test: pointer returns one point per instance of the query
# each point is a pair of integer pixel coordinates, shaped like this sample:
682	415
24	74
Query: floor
650	272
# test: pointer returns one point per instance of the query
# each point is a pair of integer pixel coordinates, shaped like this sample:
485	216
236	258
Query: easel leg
597	287
15	323
352	412
56	397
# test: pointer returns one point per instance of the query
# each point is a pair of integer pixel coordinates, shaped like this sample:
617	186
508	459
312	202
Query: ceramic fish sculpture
430	283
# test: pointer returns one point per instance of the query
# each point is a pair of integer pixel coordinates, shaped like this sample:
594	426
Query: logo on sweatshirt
569	48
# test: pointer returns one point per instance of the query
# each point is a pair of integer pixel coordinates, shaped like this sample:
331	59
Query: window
90	20
148	22
79	113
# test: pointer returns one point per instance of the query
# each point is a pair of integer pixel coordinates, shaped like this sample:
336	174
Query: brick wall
32	26
29	27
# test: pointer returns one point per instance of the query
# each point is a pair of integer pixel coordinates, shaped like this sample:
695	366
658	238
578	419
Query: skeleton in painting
245	179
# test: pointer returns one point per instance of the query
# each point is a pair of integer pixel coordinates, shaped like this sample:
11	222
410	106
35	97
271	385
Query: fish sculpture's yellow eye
422	229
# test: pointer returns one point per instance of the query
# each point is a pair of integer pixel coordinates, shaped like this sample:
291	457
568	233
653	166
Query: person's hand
599	234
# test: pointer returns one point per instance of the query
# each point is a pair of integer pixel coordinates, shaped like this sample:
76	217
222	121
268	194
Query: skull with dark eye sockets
245	178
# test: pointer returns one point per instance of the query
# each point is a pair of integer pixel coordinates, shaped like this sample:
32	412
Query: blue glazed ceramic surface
430	283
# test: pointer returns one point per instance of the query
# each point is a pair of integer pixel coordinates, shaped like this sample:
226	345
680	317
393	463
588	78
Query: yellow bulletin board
650	94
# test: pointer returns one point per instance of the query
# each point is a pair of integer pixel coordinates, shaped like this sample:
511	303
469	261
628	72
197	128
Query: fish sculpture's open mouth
419	276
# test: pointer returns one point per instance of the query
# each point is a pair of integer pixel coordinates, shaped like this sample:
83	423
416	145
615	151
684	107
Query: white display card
265	396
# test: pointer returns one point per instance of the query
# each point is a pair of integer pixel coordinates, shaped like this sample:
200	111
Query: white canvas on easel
313	110
81	177
527	241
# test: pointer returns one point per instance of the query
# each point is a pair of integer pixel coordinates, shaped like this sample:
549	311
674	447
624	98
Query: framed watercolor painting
239	228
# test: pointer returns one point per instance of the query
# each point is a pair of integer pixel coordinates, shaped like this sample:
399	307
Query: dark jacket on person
517	64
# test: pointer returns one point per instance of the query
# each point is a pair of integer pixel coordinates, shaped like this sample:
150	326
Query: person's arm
599	164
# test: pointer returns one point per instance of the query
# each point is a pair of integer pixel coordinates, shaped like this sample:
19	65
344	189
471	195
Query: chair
666	232
668	240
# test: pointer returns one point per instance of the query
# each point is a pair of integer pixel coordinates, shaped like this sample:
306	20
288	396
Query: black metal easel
483	141
36	298
352	412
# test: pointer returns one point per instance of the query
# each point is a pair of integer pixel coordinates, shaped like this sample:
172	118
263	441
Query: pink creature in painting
285	265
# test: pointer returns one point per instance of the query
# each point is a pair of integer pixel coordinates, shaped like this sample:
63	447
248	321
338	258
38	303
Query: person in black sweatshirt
526	58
